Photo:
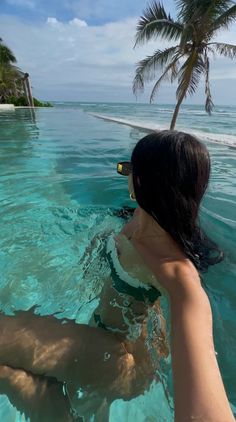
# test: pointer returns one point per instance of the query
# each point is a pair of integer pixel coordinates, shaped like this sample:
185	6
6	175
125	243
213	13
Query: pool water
59	188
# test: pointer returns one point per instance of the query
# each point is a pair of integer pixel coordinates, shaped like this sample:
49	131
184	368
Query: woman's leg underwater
39	398
81	356
70	352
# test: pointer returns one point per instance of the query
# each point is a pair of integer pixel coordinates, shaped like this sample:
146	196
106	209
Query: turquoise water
59	188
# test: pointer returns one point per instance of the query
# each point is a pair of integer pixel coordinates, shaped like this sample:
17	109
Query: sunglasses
124	168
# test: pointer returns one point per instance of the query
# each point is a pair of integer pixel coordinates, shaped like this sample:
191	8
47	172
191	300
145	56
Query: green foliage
196	24
6	55
38	103
21	101
11	77
9	74
11	86
155	22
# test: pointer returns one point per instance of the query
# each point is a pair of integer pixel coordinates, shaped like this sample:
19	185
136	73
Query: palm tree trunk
176	112
28	87
26	92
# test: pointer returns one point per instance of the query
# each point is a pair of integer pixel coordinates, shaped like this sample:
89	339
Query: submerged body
94	364
125	307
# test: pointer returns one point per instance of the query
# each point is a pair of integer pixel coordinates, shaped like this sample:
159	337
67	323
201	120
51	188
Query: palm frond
200	17
138	84
156	23
188	10
192	10
211	50
225	19
147	67
6	55
209	103
227	50
190	74
171	69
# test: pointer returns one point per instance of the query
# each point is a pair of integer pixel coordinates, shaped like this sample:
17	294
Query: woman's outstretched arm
198	386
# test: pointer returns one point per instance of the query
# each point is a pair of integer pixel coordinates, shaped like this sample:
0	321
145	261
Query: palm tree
10	74
6	55
197	23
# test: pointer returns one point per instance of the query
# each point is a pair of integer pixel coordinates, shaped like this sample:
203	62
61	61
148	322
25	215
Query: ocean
59	188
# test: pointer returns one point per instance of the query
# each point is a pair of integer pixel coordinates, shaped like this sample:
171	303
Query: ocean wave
168	110
136	125
192	111
88	104
219	138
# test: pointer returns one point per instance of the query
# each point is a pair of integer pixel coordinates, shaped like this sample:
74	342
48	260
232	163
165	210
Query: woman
160	249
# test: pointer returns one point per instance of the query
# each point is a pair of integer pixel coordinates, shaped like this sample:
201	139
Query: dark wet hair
170	174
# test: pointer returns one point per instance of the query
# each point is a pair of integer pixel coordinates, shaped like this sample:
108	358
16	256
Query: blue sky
95	12
83	50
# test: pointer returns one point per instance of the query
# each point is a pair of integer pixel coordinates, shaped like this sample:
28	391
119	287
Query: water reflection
18	125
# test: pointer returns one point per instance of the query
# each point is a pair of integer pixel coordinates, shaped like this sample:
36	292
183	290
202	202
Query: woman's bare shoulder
177	276
168	264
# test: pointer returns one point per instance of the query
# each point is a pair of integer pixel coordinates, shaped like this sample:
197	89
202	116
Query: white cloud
73	22
75	61
78	22
24	3
52	21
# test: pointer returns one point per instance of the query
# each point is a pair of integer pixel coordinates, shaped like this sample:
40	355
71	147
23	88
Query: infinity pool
59	188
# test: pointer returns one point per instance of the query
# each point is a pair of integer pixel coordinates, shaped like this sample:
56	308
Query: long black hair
170	175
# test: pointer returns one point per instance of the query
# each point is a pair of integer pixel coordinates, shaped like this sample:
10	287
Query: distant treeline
21	101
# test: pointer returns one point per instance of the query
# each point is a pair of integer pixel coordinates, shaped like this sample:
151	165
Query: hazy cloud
23	3
78	22
105	10
75	61
52	21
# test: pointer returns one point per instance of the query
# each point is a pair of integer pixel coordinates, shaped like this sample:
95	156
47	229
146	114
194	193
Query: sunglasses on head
124	168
